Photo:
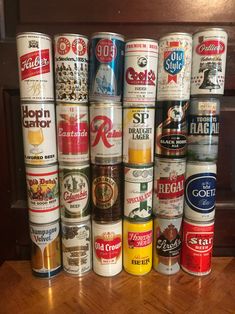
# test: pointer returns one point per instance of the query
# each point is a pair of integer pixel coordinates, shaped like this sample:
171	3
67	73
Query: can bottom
168	272
196	273
136	274
48	274
107	275
76	275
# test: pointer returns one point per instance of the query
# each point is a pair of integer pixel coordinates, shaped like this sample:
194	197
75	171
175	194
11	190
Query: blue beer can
106	67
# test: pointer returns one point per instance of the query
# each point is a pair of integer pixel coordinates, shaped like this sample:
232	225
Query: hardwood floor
20	292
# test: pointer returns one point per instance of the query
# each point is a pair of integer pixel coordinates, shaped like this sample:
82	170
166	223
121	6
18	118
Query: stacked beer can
207	84
105	94
35	64
71	79
173	93
140	77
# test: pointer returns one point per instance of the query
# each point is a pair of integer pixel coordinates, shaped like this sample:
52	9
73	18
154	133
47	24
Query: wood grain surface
154	293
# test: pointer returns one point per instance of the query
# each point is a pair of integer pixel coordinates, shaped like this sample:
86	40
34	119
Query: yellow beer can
137	238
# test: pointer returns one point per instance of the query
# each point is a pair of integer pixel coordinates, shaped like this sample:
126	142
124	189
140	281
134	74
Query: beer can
171	132
107	248
138	183
200	191
140	73
106	66
137	244
76	247
209	61
197	245
39	133
106	133
43	194
138	135
106	192
73	133
45	249
174	67
203	129
169	180
71	68
74	192
35	64
167	244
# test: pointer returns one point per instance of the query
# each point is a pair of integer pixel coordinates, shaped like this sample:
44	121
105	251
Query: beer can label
43	194
45	253
71	68
74	192
138	135
39	133
35	64
76	248
140	74
137	242
107	248
106	134
174	69
171	133
203	130
106	67
169	181
73	133
138	192
167	245
209	62
197	247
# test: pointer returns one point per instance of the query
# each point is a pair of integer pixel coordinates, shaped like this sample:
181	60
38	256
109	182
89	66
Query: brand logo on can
34	63
106	50
140	78
105	192
63	46
168	242
108	247
79	46
200	192
210	47
200	242
171	187
35	118
173	61
139	239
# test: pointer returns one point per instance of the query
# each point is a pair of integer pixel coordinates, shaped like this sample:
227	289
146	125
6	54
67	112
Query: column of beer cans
35	63
207	84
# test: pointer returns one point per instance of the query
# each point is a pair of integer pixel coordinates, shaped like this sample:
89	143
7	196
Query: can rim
203	29
158	216
175	33
133	166
135	107
138	222
70	34
102	104
82	222
33	33
38	166
142	39
202	163
205	223
171	160
72	165
96	35
44	224
67	104
105	223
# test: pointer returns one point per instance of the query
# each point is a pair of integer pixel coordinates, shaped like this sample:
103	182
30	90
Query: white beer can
106	133
71	68
43	193
169	179
174	67
35	65
209	61
107	248
39	133
140	74
138	135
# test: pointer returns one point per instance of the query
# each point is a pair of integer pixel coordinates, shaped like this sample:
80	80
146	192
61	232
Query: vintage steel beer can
35	66
203	129
107	248
138	192
106	192
76	247
197	245
167	244
169	180
43	193
140	73
71	68
209	61
39	133
106	66
73	133
174	67
138	135
74	192
171	132
200	191
106	133
45	249
137	244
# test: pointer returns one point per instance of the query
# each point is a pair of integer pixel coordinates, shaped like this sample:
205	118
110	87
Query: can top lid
104	34
204	29
103	104
200	223
70	34
141	39
33	33
176	33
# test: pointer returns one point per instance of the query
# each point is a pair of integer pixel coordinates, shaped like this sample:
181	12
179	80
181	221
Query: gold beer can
137	243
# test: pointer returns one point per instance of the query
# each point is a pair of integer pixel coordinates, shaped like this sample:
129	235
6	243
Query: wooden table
20	292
